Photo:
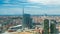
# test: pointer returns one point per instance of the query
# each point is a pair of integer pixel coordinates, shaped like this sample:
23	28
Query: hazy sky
15	7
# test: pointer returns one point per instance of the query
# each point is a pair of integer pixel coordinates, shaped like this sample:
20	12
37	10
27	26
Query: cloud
31	7
46	1
10	11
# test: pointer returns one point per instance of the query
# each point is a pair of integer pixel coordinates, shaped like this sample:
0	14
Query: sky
34	7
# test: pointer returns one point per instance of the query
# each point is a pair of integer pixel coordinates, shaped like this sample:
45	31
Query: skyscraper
53	27
46	26
27	21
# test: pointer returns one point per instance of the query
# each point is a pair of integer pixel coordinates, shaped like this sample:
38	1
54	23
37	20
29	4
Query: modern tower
53	27
27	21
46	26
